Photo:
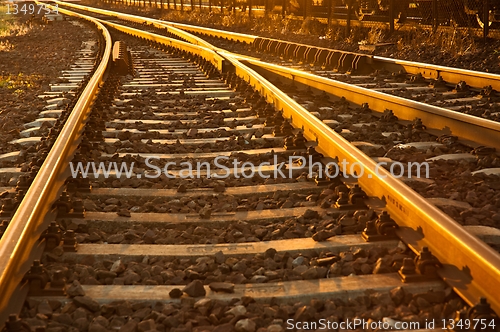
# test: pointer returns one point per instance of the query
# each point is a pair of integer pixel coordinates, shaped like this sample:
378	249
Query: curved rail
474	129
470	266
27	223
467	127
451	75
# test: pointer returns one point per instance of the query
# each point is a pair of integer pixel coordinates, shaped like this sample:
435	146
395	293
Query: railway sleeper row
120	257
305	262
412	81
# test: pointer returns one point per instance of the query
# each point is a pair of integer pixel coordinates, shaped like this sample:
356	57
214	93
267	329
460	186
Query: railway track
437	121
450	88
338	19
288	243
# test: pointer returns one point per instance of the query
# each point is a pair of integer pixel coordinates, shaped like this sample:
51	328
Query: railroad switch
40	284
381	229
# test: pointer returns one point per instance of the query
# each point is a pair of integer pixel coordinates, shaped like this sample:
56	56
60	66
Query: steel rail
467	127
474	79
335	20
452	75
26	225
470	266
138	19
217	60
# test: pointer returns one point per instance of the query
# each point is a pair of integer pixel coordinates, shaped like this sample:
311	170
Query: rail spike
67	208
479	317
381	229
40	283
422	268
